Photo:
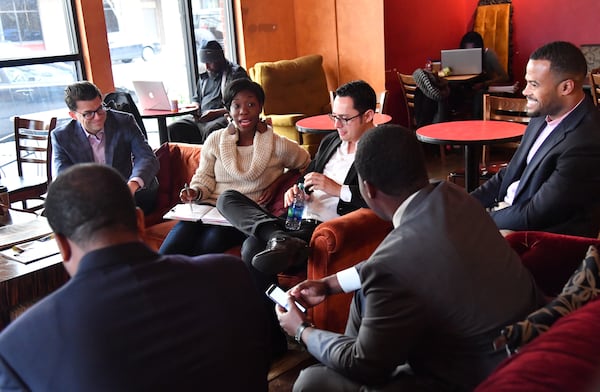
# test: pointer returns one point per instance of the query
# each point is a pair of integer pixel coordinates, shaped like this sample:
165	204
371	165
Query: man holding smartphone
432	297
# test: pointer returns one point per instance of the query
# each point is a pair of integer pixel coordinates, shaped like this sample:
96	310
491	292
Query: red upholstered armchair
336	245
567	356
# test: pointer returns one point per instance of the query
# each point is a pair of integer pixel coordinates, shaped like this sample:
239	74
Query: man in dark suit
209	96
552	182
106	136
130	319
431	298
332	185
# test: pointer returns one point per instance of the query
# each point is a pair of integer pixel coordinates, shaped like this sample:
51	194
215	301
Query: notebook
152	95
462	61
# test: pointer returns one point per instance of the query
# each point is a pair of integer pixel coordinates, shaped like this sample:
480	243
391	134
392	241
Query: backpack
122	101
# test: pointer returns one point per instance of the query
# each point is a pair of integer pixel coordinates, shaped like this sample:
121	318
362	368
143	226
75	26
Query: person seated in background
130	319
209	96
332	186
492	73
551	183
102	135
246	156
431	298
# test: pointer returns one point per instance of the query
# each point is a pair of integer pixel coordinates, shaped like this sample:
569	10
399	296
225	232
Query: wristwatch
300	329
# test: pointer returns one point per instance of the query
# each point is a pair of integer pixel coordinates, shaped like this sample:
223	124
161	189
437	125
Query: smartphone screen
280	297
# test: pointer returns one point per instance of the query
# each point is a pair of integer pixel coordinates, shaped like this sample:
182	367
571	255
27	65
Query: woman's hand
187	195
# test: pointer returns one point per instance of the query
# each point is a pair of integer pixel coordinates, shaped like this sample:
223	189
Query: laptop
463	61
152	95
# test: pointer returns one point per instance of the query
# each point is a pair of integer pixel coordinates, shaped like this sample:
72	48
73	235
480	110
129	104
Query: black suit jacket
327	148
559	188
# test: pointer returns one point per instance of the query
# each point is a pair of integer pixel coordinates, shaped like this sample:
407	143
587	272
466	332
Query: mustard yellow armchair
294	89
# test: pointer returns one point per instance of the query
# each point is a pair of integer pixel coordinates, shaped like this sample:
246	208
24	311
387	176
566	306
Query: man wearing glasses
332	190
102	135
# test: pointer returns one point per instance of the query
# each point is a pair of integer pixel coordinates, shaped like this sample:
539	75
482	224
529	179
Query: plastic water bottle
295	210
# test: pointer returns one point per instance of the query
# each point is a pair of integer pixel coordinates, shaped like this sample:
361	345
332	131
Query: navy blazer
327	148
559	188
133	320
126	149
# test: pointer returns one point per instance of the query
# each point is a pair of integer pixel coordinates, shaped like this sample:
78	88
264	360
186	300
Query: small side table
161	117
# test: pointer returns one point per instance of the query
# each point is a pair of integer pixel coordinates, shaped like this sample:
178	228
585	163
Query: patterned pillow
582	287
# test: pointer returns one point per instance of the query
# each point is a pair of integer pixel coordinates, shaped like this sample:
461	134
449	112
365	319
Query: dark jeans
257	223
196	238
188	130
146	198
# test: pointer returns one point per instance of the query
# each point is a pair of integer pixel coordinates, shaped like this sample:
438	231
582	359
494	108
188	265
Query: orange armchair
336	245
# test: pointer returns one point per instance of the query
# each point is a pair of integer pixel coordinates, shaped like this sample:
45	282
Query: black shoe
281	253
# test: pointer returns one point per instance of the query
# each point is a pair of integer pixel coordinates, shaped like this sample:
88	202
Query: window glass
155	46
38	59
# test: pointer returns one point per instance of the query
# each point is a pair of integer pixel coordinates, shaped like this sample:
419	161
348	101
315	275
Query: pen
187	192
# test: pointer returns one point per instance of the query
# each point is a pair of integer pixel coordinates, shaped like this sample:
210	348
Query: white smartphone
280	297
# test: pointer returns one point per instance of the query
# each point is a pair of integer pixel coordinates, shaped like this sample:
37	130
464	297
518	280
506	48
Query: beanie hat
211	52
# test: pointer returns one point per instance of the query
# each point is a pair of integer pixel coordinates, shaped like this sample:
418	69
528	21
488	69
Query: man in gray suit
101	135
431	298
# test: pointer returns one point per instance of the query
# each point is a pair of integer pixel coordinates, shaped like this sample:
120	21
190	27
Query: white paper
196	213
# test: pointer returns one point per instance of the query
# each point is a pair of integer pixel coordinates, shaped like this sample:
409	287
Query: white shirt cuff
349	280
345	194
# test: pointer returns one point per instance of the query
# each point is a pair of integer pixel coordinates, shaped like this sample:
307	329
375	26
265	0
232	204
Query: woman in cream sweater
246	156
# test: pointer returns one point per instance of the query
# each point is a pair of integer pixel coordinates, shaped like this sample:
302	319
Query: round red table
471	134
323	124
161	117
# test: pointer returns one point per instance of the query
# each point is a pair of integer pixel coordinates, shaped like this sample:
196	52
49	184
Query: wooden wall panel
268	31
316	34
361	43
94	41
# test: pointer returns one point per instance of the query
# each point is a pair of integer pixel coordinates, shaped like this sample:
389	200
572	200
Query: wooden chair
595	86
496	108
33	147
382	102
408	86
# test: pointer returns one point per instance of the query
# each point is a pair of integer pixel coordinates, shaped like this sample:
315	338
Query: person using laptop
209	97
492	72
106	136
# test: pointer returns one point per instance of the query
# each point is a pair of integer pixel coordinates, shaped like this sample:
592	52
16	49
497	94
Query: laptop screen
463	61
152	95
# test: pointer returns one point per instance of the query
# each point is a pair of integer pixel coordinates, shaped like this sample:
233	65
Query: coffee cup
174	105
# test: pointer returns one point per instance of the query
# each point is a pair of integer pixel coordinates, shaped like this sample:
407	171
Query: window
158	44
39	57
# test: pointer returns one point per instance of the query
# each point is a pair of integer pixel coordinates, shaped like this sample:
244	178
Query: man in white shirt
430	299
551	183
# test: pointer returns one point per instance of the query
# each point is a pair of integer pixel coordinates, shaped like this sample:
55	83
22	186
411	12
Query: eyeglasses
91	113
343	120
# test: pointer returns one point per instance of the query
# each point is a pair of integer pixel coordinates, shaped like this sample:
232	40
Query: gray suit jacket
126	149
437	291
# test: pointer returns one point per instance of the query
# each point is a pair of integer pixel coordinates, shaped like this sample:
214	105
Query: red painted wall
414	32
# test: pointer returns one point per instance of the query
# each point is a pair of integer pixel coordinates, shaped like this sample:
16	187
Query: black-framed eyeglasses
344	120
91	113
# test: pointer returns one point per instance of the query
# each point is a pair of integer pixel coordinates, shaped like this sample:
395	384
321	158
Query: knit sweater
248	169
